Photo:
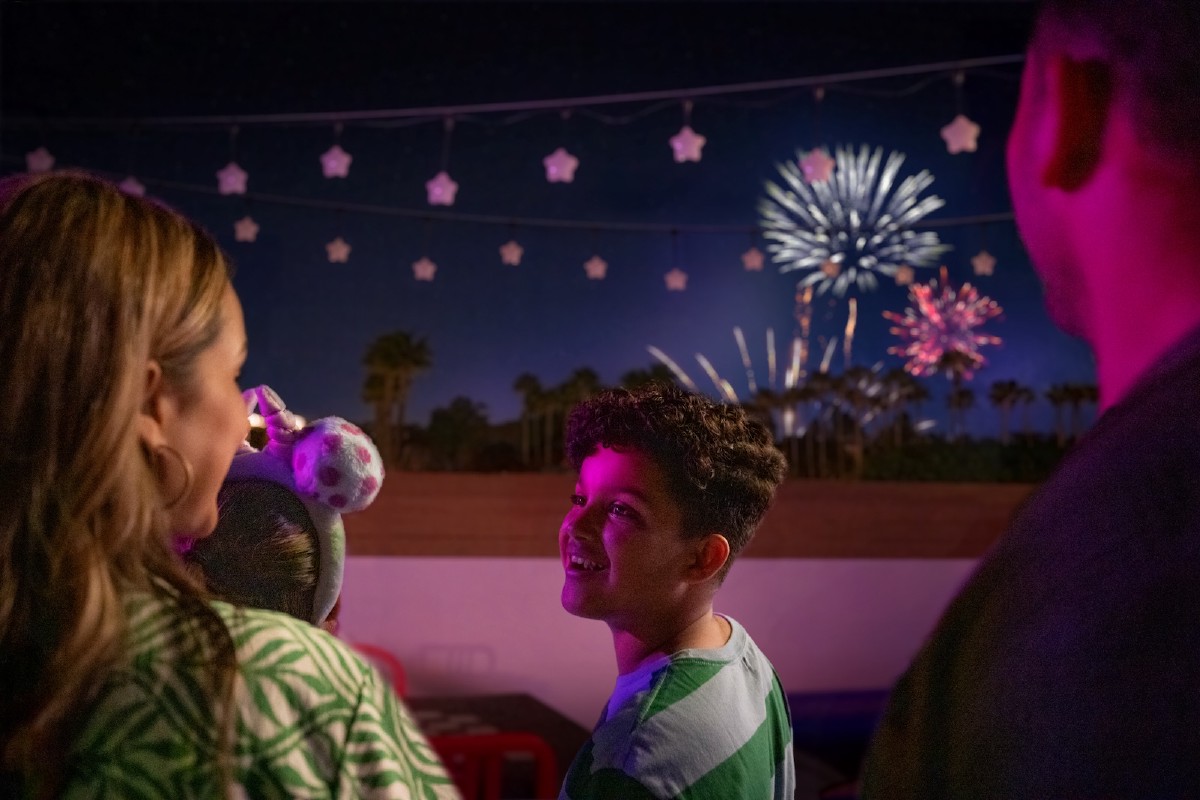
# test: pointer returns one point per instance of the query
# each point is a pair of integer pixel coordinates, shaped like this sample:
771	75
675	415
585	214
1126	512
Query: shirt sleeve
604	784
386	756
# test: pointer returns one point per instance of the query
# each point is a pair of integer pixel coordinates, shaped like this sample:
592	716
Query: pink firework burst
940	328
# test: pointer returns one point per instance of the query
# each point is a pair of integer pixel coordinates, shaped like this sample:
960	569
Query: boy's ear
711	554
1080	98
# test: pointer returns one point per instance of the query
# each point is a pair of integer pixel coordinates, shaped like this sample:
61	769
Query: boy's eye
577	500
622	510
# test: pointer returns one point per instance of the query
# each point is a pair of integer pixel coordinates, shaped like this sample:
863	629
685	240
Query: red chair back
476	762
387	663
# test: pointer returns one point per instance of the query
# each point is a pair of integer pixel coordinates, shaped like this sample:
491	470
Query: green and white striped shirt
313	719
696	724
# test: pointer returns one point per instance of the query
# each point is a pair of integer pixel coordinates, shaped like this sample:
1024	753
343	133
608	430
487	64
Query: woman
121	344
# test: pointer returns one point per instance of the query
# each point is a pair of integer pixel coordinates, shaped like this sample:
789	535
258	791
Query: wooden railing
471	514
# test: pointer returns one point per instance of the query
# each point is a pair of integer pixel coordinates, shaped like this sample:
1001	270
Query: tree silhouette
457	431
392	360
530	389
1059	395
1003	395
959	401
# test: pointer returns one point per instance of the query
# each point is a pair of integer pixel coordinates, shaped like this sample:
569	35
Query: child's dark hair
721	465
264	552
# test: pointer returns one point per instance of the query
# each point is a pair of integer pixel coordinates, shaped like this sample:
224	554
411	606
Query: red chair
387	663
476	762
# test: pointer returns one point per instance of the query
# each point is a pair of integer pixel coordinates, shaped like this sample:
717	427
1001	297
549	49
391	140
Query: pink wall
483	625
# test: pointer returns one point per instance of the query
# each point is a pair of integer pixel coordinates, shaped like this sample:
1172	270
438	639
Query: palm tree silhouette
860	389
1026	397
957	365
793	401
579	386
959	401
529	387
1003	395
1058	395
913	395
392	360
820	385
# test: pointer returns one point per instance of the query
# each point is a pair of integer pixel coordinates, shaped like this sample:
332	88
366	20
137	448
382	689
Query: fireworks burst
939	323
850	229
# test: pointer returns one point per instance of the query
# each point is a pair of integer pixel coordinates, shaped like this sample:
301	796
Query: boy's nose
579	523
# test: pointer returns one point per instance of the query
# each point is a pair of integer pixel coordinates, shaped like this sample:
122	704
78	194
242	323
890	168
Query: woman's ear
710	556
151	416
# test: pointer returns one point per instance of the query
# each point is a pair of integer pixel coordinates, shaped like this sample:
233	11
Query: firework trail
848	336
722	385
741	343
671	365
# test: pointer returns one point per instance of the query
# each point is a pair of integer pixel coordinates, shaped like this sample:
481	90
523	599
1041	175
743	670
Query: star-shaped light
132	186
335	162
904	275
245	229
39	160
231	179
816	165
510	253
831	269
596	268
560	166
687	144
441	189
676	280
984	263
338	251
752	260
960	135
423	269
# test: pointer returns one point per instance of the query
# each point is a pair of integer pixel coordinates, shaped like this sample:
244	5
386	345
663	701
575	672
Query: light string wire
522	109
498	219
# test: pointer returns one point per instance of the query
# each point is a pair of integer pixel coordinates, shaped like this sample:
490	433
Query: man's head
1109	118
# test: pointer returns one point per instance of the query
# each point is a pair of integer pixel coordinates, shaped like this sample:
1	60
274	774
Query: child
671	488
279	542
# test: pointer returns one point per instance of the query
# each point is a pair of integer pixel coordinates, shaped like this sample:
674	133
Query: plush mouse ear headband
330	465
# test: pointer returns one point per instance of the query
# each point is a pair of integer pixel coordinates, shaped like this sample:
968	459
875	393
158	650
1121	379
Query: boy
671	488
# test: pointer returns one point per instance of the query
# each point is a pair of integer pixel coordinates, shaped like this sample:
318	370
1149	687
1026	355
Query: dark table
491	713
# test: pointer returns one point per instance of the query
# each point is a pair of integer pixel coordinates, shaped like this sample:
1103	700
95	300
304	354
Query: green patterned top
313	719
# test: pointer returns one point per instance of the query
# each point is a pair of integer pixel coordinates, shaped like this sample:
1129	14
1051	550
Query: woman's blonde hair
94	284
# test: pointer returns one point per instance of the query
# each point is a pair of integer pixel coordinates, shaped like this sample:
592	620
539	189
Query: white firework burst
855	226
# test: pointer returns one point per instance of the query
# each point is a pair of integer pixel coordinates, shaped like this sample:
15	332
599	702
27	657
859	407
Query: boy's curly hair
721	465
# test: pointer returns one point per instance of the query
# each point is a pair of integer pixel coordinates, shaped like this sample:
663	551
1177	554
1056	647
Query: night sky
310	321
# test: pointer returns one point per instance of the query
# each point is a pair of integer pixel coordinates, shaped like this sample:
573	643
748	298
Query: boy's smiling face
621	543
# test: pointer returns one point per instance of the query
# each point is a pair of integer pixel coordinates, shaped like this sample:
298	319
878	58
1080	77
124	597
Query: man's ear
711	554
153	410
1080	100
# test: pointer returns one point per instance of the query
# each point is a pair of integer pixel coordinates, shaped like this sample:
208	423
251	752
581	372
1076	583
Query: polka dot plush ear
330	465
336	464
